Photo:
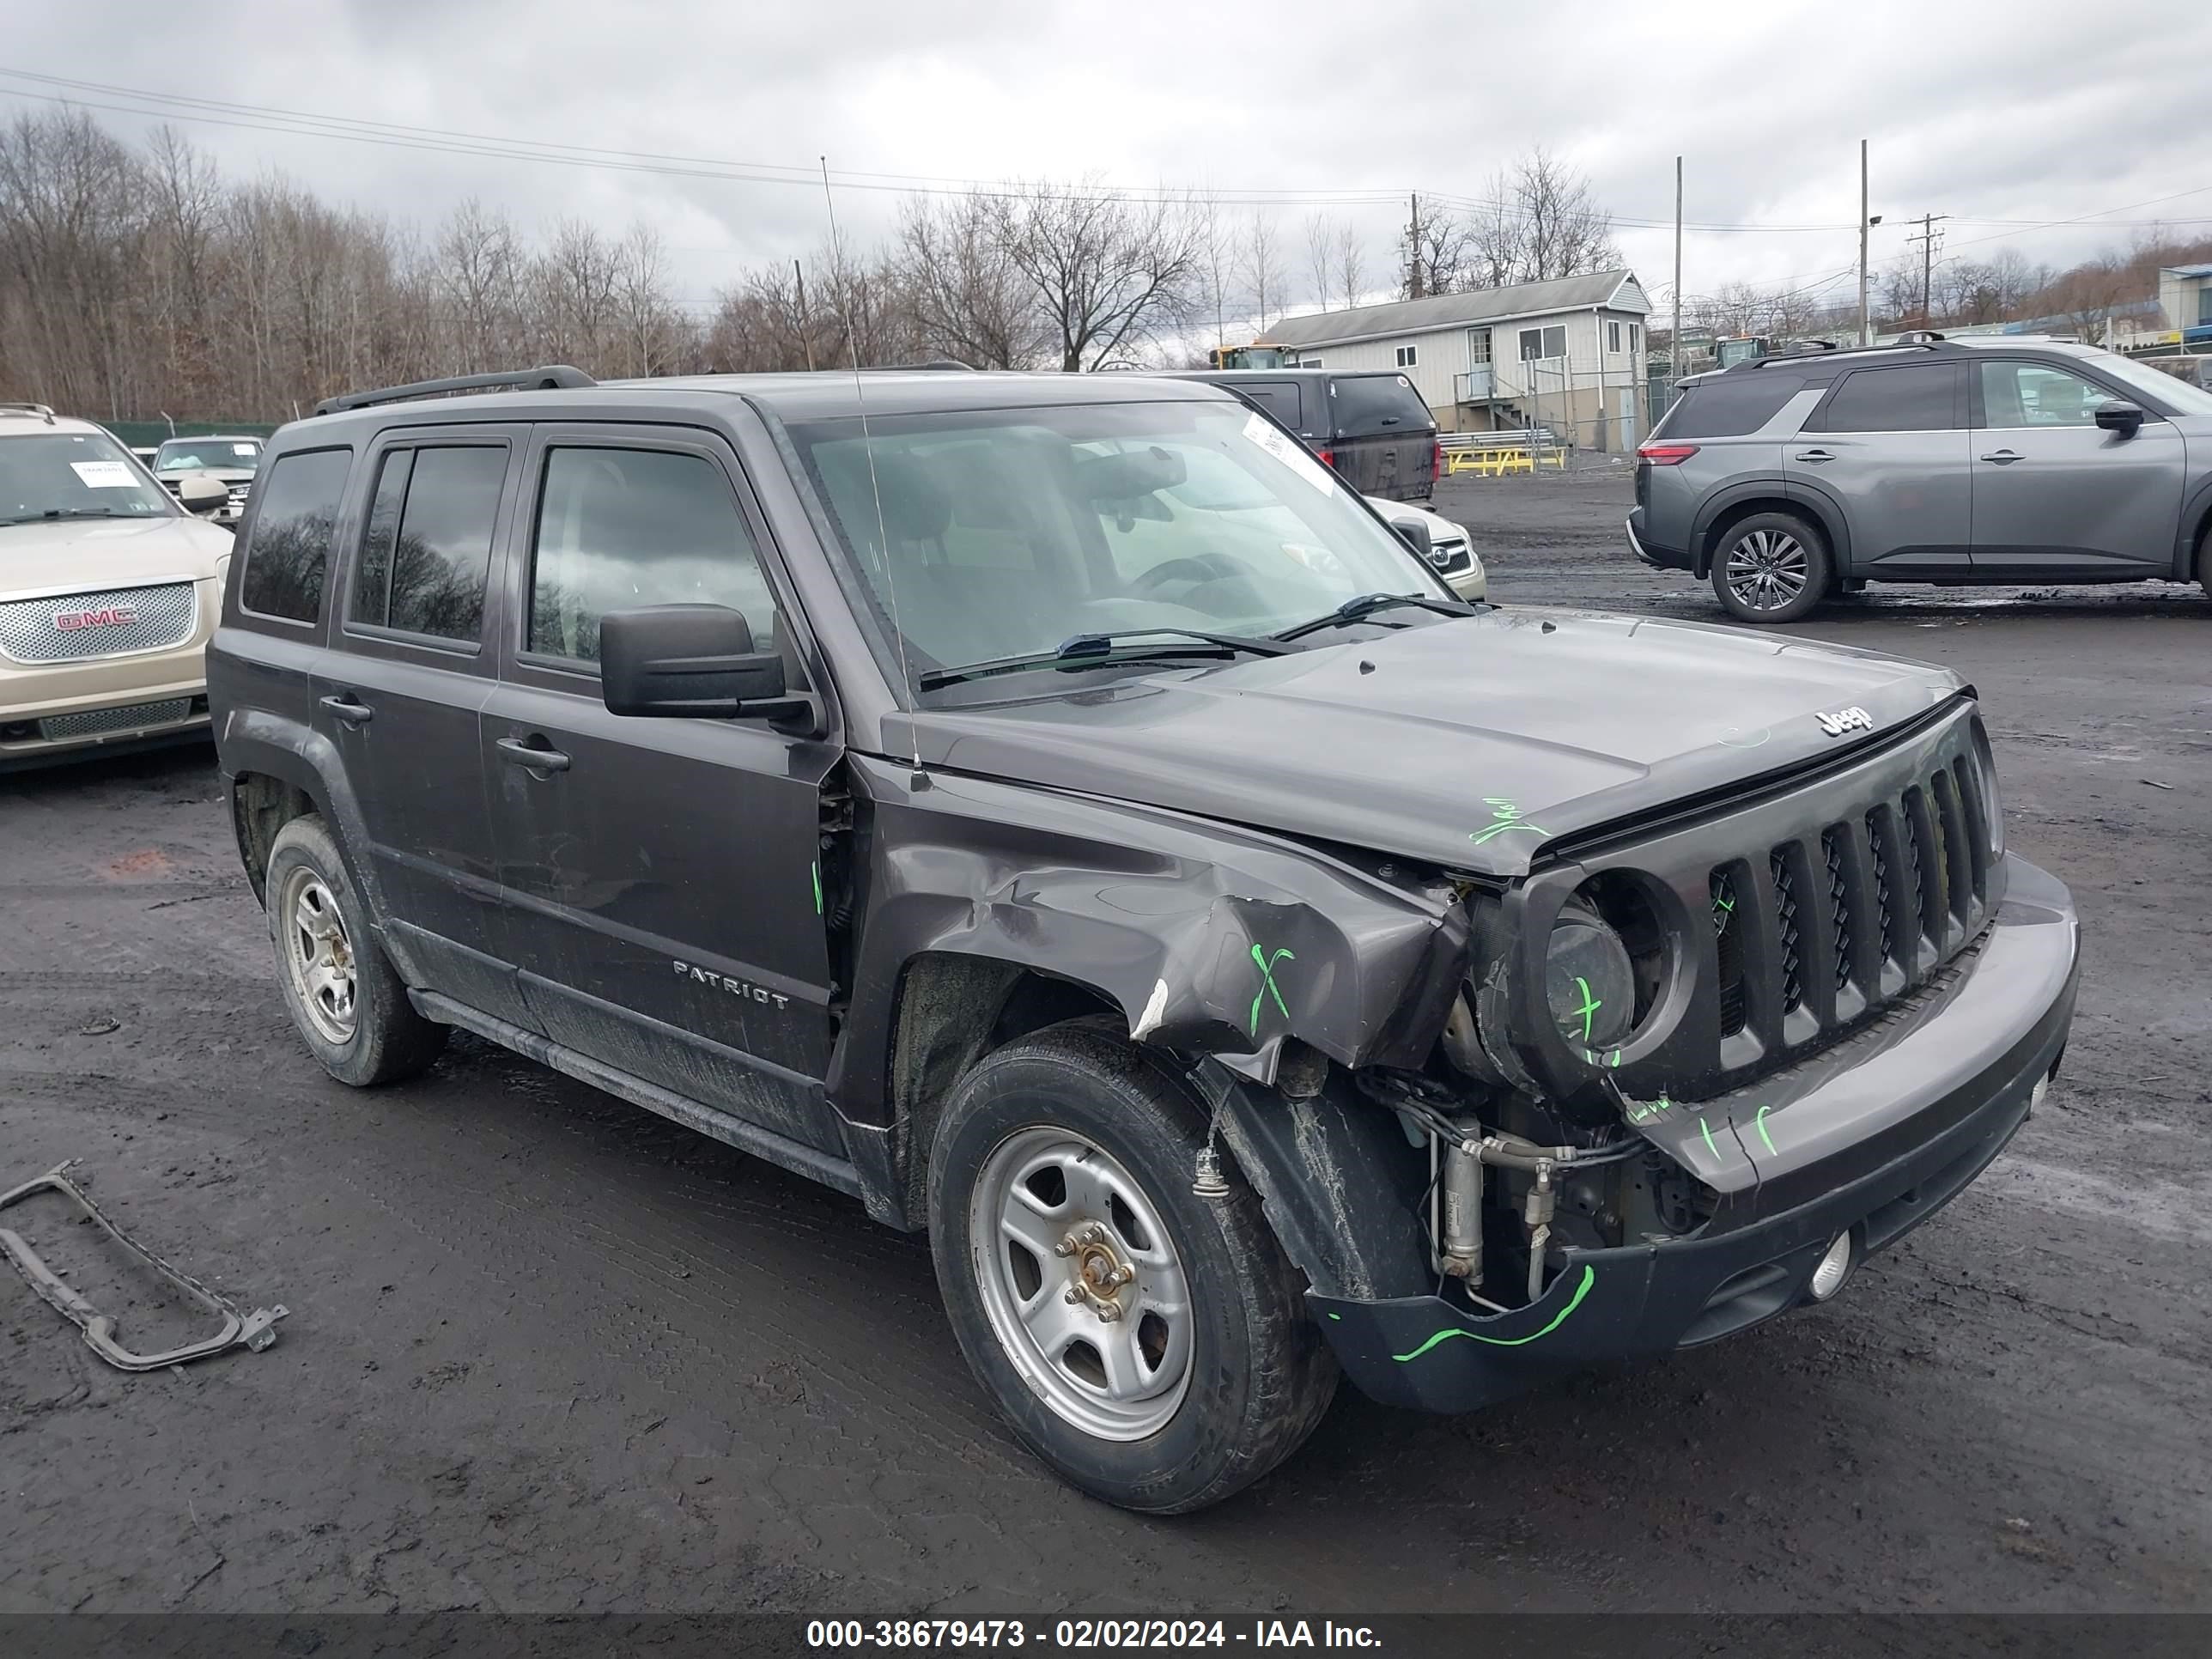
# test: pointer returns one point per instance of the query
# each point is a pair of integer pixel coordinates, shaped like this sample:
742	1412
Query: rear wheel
2205	559
1151	1345
1771	567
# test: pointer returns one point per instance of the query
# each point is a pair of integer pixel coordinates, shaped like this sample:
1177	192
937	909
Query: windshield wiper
1090	650
1366	604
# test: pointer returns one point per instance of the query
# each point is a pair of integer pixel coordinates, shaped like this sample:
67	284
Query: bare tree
1260	259
1321	258
1111	273
970	298
1351	270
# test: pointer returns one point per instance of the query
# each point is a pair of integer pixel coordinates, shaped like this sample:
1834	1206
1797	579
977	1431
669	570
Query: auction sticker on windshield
103	475
1292	454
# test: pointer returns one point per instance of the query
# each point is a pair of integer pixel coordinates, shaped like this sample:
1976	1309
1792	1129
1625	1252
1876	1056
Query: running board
780	1150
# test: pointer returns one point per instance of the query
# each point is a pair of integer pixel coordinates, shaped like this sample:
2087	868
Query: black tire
1788	549
1258	1373
385	1040
2204	560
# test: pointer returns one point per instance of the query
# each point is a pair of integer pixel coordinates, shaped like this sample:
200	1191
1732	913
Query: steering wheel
1199	568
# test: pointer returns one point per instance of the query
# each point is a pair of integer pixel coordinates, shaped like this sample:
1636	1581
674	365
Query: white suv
108	590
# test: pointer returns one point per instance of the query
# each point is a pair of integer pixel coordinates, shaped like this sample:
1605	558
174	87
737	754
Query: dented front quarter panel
1209	937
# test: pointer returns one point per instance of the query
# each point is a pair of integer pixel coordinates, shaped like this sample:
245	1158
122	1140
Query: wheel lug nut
1109	1313
1094	1234
1066	1247
1073	1294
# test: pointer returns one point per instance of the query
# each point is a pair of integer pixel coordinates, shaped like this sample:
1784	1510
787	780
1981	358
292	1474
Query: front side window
294	509
981	535
73	474
2016	394
1923	397
428	548
620	528
1539	343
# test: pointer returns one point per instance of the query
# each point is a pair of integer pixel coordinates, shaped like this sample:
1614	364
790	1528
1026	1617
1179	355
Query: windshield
2174	392
987	534
208	455
77	475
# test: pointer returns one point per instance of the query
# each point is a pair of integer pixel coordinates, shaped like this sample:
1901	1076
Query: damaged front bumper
1870	1140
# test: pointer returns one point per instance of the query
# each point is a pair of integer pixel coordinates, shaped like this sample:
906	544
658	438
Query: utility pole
1413	245
1674	346
1927	240
1865	338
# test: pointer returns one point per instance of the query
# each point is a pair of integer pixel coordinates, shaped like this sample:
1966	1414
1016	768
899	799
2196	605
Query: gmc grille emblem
113	616
1853	718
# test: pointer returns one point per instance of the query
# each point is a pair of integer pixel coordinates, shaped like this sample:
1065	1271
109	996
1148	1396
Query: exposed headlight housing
1590	981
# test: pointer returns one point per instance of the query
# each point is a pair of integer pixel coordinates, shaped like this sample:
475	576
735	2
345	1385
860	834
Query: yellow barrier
1495	463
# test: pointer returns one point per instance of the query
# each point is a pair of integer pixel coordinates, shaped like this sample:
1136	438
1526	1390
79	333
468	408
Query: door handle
1815	456
538	760
352	712
2004	457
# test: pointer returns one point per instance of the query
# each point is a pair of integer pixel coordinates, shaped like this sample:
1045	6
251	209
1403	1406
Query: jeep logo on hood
113	615
1853	718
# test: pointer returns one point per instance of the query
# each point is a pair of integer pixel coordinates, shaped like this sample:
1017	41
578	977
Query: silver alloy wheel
1767	569
1081	1283
317	953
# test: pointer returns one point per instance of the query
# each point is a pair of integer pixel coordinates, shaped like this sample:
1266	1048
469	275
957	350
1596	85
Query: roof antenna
920	779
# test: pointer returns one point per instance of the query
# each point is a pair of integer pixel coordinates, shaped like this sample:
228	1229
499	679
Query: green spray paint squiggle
1759	1124
1589	1278
1505	816
1267	988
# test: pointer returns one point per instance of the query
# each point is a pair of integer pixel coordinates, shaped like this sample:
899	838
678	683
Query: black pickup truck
1056	811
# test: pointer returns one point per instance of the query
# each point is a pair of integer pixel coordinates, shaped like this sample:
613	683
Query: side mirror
202	492
693	661
2126	418
1414	532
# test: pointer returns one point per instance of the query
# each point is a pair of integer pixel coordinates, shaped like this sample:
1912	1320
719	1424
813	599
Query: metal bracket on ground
254	1331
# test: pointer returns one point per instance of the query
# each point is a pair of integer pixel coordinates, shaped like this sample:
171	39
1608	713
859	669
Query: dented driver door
660	874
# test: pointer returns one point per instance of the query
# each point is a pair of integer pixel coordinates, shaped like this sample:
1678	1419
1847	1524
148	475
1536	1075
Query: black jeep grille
1729	942
1785	928
1839	905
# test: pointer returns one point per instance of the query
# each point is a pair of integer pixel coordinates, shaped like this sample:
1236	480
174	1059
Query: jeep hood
1472	743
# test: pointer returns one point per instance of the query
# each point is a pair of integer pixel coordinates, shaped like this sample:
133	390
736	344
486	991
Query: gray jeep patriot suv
1992	459
1056	811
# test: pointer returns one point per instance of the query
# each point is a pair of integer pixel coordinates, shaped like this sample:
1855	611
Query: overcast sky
2022	112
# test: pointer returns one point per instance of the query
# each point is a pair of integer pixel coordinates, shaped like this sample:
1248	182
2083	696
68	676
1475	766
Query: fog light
1835	1268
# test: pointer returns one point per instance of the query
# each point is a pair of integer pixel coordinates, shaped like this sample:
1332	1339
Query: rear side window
429	544
1923	397
1366	405
619	528
1279	398
296	504
1729	406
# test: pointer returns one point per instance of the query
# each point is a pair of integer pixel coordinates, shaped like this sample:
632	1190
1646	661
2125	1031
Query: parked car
1372	426
1444	544
230	458
108	591
1052	811
1988	459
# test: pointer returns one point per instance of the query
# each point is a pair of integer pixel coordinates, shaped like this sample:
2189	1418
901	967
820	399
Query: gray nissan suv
1993	460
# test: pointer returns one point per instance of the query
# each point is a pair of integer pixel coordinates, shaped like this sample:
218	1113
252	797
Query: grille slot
1839	903
1786	929
93	721
1923	836
1728	938
114	622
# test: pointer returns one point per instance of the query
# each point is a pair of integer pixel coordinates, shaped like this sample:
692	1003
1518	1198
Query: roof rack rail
545	377
1802	349
39	409
1918	337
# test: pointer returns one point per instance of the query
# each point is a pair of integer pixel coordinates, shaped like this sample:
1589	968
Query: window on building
1635	336
1478	347
1407	355
1540	344
1613	337
296	505
619	528
429	542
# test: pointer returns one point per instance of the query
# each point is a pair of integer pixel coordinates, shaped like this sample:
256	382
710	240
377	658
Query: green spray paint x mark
817	889
1589	1278
1505	816
1591	1005
1267	988
1760	1123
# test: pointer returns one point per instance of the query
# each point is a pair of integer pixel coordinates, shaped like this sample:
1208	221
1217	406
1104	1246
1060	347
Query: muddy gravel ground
548	1352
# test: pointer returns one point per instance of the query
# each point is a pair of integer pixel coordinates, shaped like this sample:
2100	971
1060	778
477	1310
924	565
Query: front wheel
1150	1345
2204	560
1771	567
